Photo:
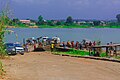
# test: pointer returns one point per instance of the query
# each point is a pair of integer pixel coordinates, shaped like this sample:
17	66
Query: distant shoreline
70	27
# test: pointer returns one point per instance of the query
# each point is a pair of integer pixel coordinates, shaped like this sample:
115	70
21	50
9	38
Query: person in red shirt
72	43
77	45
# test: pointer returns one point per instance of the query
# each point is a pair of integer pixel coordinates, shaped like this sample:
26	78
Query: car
19	48
14	48
10	48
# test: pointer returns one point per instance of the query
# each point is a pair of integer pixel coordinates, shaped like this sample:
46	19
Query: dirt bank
45	66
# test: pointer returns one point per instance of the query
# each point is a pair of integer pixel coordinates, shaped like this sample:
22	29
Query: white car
19	48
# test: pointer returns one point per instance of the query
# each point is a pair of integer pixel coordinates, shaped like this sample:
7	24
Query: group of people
80	45
41	42
30	42
83	45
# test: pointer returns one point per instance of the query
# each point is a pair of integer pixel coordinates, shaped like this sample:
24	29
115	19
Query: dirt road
45	66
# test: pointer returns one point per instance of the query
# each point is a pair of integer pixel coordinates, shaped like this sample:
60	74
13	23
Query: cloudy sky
60	9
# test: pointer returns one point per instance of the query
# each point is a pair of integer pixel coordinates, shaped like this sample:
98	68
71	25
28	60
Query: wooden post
119	48
94	50
115	51
89	51
106	51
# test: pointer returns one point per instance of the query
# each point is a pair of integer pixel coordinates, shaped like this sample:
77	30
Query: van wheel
22	53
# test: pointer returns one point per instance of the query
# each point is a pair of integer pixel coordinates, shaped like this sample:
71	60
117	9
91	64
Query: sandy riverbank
46	66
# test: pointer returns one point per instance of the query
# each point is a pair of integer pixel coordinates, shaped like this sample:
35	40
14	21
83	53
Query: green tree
50	22
11	23
69	20
40	20
2	32
16	20
4	21
58	23
118	18
96	23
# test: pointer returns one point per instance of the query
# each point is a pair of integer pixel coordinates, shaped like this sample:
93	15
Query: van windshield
18	45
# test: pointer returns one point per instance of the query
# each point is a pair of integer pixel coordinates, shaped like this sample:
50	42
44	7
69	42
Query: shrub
2	71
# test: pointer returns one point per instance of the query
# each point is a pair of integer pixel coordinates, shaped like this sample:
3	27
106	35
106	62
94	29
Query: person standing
52	47
27	47
35	46
80	46
94	43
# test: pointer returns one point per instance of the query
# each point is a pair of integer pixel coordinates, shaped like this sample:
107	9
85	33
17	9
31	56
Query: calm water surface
75	34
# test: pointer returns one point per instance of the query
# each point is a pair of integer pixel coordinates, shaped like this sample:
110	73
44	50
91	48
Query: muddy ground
46	66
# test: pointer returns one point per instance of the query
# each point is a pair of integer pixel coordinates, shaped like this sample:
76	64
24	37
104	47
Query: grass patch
117	57
73	52
22	26
103	55
78	52
63	26
75	26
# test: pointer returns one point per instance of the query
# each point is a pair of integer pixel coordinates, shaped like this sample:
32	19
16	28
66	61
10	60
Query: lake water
76	34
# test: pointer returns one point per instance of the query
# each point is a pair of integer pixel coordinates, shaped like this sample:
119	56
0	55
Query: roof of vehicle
18	45
9	43
12	44
45	37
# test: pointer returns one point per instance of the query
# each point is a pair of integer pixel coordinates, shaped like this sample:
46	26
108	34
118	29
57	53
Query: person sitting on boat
44	41
84	41
68	44
63	44
77	44
56	39
72	43
99	43
90	43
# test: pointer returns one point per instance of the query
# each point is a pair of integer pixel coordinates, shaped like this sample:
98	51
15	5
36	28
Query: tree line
67	22
42	21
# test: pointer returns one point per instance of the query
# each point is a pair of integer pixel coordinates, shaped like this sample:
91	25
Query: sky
61	9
